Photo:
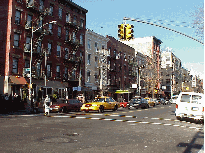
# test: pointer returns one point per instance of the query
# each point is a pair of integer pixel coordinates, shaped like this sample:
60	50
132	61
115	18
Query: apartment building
57	50
121	73
149	47
95	63
171	73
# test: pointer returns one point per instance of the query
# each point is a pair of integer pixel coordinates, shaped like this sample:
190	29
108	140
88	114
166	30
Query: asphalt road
144	130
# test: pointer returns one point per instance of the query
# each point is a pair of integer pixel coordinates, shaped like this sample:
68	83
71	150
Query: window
66	34
74	74
96	61
51	10
96	76
39	47
103	47
57	71
59	31
16	40
75	20
15	65
49	48
29	21
60	13
67	17
41	7
81	23
89	47
66	73
28	44
74	37
40	23
50	28
88	76
89	55
96	46
66	53
17	17
27	64
48	70
58	51
38	69
81	39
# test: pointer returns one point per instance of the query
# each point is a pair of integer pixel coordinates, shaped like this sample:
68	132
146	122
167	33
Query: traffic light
129	31
121	31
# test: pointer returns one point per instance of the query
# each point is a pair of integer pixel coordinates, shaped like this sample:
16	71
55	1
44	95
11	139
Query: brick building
57	49
121	73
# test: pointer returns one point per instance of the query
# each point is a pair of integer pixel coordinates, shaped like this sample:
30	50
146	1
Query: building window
38	69
89	46
96	46
15	66
28	44
74	37
51	10
66	73
89	56
40	23
29	21
81	39
58	51
67	17
96	76
17	17
66	34
60	13
48	70
27	64
103	47
74	74
66	53
57	71
49	48
81	23
59	31
88	76
39	47
16	39
41	7
50	28
75	20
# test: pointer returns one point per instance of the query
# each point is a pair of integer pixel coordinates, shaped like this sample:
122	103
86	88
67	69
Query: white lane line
144	122
107	119
155	118
176	125
80	117
119	120
131	121
156	123
95	118
167	124
113	115
167	119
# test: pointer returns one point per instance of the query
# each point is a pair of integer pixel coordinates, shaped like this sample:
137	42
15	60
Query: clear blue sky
104	16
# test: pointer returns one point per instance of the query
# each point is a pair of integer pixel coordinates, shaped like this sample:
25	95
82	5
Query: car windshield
99	100
135	100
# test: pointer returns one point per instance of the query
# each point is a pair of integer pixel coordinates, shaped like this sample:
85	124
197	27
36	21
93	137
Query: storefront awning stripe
17	80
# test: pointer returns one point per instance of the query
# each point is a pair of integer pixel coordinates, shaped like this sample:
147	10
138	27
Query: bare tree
198	22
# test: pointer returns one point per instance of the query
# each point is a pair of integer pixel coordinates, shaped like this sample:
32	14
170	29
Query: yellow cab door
108	103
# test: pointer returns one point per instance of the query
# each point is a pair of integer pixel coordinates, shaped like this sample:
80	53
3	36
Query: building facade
95	63
52	32
121	70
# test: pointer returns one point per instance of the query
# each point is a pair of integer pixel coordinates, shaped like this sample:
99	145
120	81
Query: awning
17	80
122	91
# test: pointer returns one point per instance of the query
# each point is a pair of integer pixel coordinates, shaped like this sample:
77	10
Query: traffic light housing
129	31
121	31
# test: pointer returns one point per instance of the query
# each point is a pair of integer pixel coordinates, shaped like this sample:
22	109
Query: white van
174	99
190	105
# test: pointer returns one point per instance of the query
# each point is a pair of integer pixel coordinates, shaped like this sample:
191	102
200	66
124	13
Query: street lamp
32	31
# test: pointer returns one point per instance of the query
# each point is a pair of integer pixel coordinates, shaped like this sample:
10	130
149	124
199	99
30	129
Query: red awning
17	80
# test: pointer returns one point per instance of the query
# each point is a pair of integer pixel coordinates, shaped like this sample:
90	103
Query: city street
143	130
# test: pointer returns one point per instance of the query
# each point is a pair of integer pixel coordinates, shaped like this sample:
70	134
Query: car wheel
101	109
115	108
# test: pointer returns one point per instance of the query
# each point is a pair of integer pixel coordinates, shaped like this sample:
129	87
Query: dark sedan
138	103
66	105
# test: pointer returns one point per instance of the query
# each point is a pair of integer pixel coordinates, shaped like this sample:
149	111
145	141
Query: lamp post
32	31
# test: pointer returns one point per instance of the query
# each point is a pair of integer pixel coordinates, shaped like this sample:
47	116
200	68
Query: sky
104	16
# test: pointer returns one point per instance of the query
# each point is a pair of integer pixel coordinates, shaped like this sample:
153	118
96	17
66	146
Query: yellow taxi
151	102
100	104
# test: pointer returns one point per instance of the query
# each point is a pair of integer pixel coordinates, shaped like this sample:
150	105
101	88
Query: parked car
156	101
190	105
161	100
150	102
65	105
167	102
138	103
100	104
123	104
174	99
